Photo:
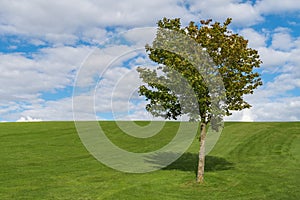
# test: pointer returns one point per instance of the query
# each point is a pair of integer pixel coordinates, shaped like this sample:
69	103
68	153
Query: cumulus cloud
54	68
242	12
271	6
47	110
255	39
28	119
277	99
68	21
47	70
282	40
268	109
272	59
62	27
24	79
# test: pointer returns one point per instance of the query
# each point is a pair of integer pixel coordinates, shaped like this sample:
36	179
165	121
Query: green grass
46	160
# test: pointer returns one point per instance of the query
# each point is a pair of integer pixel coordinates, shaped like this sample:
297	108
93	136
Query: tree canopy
230	53
233	60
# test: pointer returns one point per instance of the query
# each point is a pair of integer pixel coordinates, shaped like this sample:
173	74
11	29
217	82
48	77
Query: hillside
46	160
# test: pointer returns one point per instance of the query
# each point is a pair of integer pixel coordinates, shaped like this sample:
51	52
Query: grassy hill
46	160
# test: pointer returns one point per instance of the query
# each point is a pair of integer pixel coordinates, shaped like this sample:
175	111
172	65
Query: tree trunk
201	161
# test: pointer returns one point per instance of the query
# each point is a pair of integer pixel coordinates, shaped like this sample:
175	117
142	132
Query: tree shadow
189	162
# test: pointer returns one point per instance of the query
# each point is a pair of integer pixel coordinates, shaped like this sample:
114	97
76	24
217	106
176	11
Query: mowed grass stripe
46	160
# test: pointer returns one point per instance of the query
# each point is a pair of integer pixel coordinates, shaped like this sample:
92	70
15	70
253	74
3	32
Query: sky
55	54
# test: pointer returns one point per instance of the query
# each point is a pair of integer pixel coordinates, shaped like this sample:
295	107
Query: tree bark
201	161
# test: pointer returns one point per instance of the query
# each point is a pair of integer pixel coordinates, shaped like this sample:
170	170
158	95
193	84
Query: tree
233	59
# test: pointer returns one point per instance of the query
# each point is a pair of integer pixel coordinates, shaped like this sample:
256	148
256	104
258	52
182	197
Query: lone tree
233	59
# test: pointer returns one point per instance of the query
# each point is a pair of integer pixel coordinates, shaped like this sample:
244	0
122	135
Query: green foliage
235	62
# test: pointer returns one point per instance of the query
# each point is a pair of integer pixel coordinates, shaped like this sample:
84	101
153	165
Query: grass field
46	160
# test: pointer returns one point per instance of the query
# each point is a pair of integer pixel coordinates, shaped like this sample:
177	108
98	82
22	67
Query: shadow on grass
189	162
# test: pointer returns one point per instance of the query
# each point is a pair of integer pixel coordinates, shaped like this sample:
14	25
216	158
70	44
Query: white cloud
283	83
48	110
37	42
24	77
47	70
284	109
282	40
141	36
242	13
28	119
276	100
271	6
255	39
272	58
280	109
116	91
95	35
244	115
54	68
67	21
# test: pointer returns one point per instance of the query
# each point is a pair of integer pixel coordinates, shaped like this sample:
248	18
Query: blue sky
45	45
